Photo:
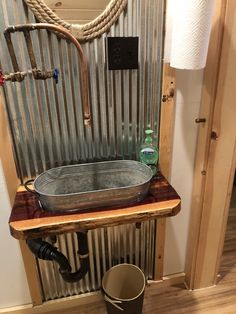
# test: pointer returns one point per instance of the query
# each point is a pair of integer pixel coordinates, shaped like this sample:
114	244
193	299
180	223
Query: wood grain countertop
29	220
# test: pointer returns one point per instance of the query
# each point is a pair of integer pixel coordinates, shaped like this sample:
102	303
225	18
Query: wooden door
216	154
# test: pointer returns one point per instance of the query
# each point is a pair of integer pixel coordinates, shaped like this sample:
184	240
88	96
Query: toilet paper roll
191	33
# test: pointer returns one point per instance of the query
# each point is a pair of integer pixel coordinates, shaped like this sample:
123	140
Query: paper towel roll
191	33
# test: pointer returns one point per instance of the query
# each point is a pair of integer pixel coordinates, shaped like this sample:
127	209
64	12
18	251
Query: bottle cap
148	132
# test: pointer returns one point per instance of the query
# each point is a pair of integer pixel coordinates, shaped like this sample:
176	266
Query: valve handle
56	75
2	80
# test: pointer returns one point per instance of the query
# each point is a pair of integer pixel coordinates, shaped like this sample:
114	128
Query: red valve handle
2	80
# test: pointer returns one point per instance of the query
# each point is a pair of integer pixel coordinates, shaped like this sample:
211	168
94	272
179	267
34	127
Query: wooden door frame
165	151
208	221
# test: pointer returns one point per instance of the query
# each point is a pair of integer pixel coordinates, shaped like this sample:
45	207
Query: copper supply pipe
83	62
15	77
12	52
38	74
19	76
30	49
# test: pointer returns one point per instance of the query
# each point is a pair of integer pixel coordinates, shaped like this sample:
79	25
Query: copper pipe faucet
38	74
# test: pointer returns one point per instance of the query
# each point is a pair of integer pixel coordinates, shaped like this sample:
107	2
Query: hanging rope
84	32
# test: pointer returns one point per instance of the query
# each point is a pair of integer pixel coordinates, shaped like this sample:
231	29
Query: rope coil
85	32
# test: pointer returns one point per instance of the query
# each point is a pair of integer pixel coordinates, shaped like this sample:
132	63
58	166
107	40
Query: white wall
13	285
188	93
187	97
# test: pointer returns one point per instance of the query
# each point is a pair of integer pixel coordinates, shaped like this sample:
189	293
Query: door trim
208	221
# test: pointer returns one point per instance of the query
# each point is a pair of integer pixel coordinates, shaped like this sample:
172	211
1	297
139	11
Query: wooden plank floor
220	299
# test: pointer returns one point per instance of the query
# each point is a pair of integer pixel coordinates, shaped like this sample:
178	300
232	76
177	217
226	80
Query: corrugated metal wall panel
46	119
47	125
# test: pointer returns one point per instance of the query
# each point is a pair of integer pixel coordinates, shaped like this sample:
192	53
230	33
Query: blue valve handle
56	75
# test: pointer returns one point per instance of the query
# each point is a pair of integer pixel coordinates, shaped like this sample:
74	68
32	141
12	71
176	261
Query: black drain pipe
44	250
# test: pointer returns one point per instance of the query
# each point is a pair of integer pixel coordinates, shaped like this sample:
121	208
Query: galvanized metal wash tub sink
100	184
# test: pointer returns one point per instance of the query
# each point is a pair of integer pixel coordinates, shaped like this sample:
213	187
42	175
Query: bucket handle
113	302
27	188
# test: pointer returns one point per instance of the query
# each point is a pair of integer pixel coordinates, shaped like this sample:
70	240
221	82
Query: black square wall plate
122	53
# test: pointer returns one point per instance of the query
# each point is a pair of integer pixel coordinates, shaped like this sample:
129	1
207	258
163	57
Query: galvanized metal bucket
100	184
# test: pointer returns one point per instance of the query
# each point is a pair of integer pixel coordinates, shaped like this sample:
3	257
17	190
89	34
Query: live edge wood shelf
28	220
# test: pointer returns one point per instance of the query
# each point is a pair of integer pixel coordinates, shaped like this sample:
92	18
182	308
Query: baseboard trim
63	305
169	280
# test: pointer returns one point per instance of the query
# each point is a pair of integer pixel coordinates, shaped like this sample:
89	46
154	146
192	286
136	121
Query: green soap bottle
148	153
